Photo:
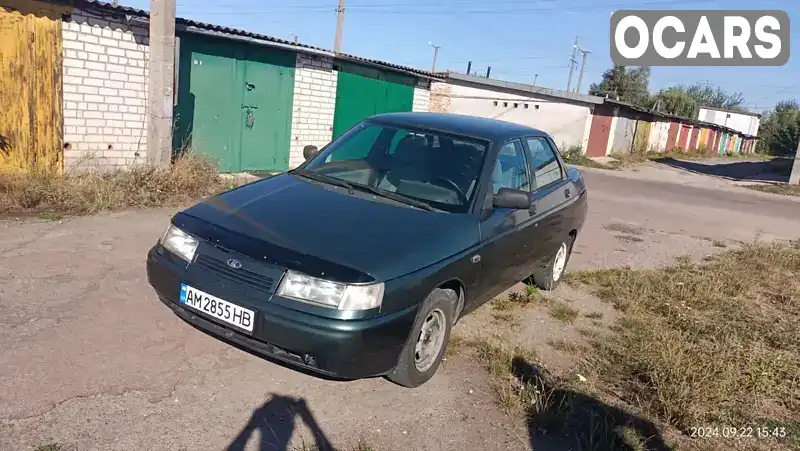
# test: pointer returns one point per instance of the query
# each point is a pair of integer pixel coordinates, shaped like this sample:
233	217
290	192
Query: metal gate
363	91
235	103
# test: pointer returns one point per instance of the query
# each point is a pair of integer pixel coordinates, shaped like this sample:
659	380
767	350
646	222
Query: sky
517	38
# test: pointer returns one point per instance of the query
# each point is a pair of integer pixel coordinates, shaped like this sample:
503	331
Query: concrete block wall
422	97
314	105
105	92
568	122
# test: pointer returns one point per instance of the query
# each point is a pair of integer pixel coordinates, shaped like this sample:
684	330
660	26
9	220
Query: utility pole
435	55
295	37
572	63
160	82
794	178
535	77
583	66
488	71
337	43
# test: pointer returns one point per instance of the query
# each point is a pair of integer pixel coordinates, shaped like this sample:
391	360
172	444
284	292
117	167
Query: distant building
566	116
741	121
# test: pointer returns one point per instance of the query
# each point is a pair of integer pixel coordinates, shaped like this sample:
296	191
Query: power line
399	9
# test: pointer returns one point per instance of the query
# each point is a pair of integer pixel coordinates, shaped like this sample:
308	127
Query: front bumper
348	349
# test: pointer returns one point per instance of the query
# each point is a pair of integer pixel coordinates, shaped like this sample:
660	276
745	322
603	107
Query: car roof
457	124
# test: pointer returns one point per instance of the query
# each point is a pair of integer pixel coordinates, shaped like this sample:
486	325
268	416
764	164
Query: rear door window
544	165
510	170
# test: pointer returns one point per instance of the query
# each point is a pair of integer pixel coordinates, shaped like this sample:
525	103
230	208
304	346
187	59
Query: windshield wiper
324	179
395	196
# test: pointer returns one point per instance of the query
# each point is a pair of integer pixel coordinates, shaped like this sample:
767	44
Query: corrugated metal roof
120	9
522	88
728	110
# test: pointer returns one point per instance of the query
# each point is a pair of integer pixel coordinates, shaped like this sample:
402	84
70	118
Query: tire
410	371
550	277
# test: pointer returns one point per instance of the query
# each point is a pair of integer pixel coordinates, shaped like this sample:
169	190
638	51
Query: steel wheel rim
430	341
560	262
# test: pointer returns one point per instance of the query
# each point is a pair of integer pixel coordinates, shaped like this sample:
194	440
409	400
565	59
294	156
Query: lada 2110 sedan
358	262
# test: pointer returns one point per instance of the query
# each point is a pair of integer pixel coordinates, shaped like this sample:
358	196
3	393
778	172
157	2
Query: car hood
323	231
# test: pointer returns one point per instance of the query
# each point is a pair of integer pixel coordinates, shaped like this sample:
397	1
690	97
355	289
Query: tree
686	100
677	101
780	129
707	94
624	84
630	85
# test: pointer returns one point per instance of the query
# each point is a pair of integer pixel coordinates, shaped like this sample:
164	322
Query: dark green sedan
359	262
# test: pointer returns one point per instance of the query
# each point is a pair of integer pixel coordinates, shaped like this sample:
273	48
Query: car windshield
438	169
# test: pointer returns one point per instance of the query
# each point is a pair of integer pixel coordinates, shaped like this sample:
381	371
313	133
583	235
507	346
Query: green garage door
363	91
235	103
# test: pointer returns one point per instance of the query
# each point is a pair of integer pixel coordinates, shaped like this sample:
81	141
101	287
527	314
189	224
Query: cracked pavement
89	357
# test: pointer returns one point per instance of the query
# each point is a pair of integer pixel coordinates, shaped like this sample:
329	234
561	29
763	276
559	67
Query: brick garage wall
422	96
440	97
105	92
314	105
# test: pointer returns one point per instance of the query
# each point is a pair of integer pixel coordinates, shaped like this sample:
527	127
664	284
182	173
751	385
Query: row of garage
249	101
235	100
618	127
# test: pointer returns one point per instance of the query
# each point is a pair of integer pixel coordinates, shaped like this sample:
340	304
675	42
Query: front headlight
179	243
330	294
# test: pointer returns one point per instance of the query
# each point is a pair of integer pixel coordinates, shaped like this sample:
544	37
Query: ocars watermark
700	38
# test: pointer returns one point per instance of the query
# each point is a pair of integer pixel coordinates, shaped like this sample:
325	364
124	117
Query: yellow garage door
30	86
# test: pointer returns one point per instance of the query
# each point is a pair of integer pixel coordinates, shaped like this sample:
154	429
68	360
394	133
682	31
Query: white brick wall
105	93
314	104
422	96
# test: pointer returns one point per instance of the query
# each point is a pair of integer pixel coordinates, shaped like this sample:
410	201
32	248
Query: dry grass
781	188
568	346
575	156
553	407
362	445
509	319
714	343
563	312
517	299
706	154
49	447
188	178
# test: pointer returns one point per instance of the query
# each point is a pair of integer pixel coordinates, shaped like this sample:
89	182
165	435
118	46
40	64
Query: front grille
241	275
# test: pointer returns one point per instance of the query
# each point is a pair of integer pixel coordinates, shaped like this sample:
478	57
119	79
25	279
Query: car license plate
218	308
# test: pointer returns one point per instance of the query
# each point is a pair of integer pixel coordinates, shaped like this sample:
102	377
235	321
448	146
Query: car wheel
424	350
551	275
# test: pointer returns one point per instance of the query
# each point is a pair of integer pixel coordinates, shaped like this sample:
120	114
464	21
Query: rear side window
544	165
510	168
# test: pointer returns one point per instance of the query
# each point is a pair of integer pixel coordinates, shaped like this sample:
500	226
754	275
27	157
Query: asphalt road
89	358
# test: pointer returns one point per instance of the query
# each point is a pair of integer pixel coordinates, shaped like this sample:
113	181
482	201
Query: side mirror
309	152
512	198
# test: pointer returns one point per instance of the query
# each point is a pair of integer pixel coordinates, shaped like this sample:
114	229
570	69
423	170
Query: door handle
567	193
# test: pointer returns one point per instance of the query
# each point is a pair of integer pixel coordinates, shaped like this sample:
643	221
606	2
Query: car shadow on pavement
777	170
275	422
564	419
